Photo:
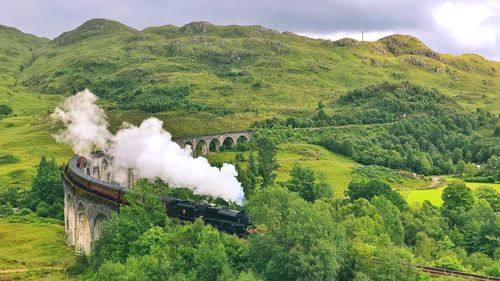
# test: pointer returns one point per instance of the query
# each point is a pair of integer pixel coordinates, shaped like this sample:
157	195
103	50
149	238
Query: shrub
488	179
5	110
8	159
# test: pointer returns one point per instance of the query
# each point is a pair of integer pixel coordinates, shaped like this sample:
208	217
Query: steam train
224	219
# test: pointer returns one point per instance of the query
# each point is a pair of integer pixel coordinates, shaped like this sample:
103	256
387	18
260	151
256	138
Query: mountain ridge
191	28
247	73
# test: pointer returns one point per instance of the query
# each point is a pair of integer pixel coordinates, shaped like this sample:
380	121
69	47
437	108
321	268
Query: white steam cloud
85	124
147	149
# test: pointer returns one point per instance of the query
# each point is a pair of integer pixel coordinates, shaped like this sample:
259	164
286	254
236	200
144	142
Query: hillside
16	53
239	74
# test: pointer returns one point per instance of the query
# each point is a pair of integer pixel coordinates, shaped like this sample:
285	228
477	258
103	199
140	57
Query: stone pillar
82	229
69	216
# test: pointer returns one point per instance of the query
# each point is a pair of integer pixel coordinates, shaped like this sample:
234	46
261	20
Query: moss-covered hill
16	53
238	74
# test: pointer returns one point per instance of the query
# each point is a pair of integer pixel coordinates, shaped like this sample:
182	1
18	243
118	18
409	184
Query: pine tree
267	161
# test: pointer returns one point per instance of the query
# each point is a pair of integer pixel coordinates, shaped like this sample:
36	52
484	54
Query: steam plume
147	149
85	124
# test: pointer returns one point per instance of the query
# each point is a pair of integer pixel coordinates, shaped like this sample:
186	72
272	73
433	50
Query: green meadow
34	245
418	196
26	136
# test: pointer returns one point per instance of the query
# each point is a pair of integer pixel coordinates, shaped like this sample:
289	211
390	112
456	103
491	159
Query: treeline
423	131
424	145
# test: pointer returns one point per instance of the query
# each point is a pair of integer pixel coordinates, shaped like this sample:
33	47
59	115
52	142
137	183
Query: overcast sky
447	26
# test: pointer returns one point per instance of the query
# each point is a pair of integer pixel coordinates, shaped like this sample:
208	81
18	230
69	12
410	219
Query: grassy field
417	196
35	246
27	136
335	168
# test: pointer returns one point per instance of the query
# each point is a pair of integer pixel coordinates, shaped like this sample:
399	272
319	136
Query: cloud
366	36
454	26
470	25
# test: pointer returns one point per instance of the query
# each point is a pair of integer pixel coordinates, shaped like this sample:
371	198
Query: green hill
16	53
239	74
202	78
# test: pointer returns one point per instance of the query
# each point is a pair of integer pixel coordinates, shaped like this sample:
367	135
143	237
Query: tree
5	110
457	199
303	181
253	171
321	116
496	133
47	184
267	160
47	187
470	170
392	218
143	211
424	246
491	195
369	189
296	241
481	229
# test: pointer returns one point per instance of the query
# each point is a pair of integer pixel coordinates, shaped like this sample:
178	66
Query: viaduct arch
202	145
85	212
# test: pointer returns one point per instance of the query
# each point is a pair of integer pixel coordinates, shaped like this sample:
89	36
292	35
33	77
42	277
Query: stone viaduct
84	211
201	145
87	185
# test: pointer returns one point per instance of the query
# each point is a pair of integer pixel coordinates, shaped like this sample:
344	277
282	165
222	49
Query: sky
447	26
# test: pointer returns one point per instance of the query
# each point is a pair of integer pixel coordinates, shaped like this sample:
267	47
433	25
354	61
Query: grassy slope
26	134
28	137
223	63
294	73
32	246
16	53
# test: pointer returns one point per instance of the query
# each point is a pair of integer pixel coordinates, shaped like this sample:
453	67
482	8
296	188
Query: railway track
437	272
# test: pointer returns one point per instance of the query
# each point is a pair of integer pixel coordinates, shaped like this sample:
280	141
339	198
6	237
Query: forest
402	126
303	233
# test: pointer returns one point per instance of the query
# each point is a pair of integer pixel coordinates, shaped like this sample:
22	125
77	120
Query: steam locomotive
224	219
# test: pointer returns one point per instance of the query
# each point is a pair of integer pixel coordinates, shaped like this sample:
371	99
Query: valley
341	116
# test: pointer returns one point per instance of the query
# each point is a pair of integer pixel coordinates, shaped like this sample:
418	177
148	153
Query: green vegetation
332	140
46	196
336	170
434	195
421	130
33	244
242	70
332	239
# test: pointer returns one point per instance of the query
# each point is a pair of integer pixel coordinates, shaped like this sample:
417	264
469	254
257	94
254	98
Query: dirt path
435	181
21	270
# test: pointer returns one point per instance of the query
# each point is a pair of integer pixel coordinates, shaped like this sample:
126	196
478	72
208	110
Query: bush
369	189
43	209
8	159
5	110
81	263
6	210
487	179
